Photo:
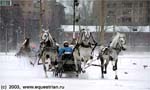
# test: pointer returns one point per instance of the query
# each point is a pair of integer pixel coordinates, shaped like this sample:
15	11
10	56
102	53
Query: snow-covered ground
131	72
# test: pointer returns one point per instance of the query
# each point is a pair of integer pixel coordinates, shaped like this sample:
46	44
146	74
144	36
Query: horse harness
88	45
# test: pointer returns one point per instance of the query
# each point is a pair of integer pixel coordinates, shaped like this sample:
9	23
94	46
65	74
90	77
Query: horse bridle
44	36
120	45
89	45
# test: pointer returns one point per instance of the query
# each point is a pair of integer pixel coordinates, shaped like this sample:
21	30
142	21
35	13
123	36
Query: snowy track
133	72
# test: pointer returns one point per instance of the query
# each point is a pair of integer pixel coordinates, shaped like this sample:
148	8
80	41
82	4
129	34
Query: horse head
119	41
85	34
84	37
26	42
122	41
47	38
45	35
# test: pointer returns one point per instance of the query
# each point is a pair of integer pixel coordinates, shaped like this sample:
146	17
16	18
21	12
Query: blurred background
64	19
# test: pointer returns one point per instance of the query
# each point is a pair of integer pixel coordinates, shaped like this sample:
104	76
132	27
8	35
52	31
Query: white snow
131	73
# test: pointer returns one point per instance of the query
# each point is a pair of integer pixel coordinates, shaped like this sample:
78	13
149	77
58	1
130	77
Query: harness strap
77	47
119	48
86	46
95	43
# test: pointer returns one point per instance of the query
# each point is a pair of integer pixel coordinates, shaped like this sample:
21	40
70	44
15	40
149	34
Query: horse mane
51	39
80	37
26	43
115	40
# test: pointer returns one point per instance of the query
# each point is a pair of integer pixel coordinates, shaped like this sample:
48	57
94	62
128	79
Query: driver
65	50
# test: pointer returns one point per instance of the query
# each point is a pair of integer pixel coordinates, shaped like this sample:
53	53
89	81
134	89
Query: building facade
53	16
125	12
20	19
10	19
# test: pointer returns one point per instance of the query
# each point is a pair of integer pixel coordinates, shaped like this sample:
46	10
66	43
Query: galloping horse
84	48
48	50
111	53
25	48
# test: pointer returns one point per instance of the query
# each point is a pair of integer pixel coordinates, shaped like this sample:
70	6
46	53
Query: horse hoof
83	71
60	75
46	76
116	77
77	75
125	72
114	68
105	72
56	74
91	57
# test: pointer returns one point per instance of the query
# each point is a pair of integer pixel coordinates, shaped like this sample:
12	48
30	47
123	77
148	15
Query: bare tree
85	11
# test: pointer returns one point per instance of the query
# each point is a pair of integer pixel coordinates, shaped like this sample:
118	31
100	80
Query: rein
89	45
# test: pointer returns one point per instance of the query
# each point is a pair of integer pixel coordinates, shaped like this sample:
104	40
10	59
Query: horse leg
102	67
83	65
35	60
116	76
31	63
105	65
115	65
44	66
76	65
45	70
49	61
115	69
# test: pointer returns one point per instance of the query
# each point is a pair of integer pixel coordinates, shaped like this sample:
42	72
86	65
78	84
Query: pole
114	25
40	19
74	14
75	4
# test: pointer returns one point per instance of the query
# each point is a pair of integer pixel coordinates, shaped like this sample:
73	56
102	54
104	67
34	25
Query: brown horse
25	48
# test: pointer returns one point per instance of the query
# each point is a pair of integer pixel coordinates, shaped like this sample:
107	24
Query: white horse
111	53
48	50
83	50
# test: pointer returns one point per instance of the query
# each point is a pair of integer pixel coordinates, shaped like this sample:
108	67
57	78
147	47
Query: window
16	4
126	11
141	4
148	11
112	4
110	12
5	2
148	3
23	4
29	5
36	5
126	19
127	4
